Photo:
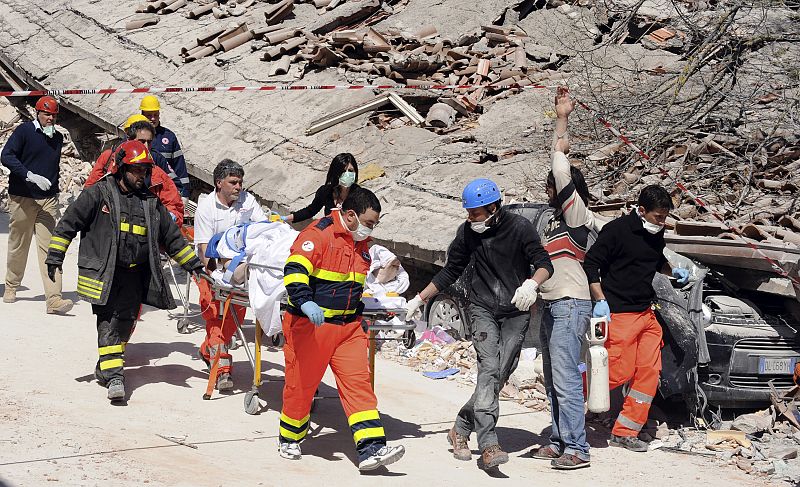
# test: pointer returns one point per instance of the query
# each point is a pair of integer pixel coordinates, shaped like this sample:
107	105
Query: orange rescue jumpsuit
327	267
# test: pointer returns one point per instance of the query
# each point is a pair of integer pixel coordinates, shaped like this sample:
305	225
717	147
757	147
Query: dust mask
652	228
347	179
480	227
361	233
49	131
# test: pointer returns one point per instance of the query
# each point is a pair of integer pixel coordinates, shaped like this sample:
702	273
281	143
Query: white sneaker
290	451
385	456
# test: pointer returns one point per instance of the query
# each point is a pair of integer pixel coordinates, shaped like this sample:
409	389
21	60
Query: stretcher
375	321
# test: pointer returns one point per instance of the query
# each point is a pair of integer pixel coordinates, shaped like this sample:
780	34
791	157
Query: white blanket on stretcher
267	246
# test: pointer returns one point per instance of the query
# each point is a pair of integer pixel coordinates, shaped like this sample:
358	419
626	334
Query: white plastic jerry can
597	366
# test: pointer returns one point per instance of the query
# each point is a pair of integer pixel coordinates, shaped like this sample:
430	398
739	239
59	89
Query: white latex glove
525	295
41	181
413	306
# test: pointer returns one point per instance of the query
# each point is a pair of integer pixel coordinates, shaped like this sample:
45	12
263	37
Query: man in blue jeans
567	301
510	265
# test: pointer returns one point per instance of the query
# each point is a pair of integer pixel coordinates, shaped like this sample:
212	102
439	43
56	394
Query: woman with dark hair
567	301
342	177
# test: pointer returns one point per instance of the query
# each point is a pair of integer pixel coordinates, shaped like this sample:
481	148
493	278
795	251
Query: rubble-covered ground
761	443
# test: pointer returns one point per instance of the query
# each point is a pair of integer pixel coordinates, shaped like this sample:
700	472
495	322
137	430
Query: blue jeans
497	341
563	326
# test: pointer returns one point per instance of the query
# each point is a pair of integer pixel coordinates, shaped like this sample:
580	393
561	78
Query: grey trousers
497	341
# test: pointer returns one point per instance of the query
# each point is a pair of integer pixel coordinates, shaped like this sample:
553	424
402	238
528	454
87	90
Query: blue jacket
166	143
28	149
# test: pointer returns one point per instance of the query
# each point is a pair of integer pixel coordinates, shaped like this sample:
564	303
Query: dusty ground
56	425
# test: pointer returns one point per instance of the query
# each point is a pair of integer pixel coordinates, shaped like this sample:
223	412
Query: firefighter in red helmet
122	225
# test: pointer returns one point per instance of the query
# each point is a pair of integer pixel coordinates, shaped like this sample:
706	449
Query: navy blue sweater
28	149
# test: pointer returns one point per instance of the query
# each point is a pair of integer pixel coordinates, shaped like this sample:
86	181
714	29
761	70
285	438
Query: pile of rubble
755	194
437	356
74	171
755	443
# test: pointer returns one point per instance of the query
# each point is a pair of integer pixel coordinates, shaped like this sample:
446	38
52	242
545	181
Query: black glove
51	271
200	272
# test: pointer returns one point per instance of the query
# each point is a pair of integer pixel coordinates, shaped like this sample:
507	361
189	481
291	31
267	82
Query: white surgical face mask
480	227
361	233
652	228
347	178
49	131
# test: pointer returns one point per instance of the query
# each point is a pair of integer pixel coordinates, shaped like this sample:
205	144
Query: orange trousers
218	334
308	351
634	356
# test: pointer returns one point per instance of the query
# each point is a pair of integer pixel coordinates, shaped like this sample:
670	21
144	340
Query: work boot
116	390
59	306
547	452
290	451
387	455
10	295
569	461
461	449
631	443
224	382
492	456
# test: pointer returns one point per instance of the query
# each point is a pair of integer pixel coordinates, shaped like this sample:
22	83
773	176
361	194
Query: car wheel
444	312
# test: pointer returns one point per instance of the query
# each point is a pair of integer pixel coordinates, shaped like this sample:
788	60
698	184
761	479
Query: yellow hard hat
150	104
137	117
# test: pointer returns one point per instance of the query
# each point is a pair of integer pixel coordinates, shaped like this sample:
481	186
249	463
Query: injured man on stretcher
250	259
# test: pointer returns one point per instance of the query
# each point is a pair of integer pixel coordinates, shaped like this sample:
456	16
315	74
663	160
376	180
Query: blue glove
682	275
174	218
601	310
314	312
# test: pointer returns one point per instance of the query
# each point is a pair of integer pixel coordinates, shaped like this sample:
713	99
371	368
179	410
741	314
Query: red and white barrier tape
274	87
295	87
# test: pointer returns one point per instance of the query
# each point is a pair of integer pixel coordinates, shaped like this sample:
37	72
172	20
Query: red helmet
47	104
132	152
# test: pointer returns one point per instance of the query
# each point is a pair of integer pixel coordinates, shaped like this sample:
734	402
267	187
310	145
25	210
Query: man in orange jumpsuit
324	278
138	128
620	267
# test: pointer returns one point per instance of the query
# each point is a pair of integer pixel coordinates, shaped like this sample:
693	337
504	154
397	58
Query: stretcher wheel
183	326
251	404
278	340
409	339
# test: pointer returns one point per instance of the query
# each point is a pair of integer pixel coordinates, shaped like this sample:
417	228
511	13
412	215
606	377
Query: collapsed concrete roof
610	59
81	44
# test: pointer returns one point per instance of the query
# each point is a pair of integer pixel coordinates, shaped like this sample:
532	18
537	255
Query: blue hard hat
480	192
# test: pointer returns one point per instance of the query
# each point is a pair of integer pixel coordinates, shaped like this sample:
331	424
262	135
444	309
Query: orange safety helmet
132	152
47	104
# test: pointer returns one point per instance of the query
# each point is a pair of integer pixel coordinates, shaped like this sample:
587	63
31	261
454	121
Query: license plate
777	366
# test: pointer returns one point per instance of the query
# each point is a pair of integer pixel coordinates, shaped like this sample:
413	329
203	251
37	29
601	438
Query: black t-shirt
624	260
323	197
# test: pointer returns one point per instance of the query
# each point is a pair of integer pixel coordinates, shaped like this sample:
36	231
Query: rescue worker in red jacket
324	278
138	128
122	225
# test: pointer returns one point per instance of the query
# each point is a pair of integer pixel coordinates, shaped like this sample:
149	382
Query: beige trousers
30	216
